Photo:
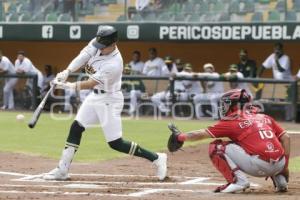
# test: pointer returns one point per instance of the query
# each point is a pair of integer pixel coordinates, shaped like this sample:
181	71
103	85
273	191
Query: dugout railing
288	88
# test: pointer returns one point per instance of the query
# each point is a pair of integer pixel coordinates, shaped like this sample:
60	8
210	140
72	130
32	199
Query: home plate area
96	185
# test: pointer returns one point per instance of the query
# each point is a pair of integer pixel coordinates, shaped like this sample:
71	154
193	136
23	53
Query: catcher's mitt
173	143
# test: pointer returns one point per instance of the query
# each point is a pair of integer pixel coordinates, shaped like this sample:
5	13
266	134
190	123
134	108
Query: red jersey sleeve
221	129
278	130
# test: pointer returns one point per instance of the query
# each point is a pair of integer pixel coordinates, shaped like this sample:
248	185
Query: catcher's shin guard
217	156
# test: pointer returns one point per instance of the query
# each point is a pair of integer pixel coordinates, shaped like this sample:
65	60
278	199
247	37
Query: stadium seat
179	17
296	5
224	17
12	17
25	17
250	6
150	17
234	7
136	18
257	17
121	18
202	7
51	17
218	7
264	1
280	6
48	8
65	17
291	15
195	17
188	7
38	17
165	16
174	8
1	12
274	16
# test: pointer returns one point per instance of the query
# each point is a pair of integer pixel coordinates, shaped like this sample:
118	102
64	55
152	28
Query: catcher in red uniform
259	146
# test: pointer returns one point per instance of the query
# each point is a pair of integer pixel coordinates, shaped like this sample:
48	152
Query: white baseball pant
104	109
204	99
8	93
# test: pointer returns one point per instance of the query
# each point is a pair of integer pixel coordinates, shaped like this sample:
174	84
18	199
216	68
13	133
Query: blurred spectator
246	66
24	66
169	67
212	92
179	64
6	67
47	78
279	62
232	75
132	89
136	64
154	66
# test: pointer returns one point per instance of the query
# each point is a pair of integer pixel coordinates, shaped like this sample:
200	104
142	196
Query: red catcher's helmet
233	98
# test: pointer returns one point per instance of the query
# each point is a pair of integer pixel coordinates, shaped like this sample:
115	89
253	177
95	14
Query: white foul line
13	174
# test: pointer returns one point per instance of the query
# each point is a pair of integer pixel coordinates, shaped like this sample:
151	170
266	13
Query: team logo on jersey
89	70
270	147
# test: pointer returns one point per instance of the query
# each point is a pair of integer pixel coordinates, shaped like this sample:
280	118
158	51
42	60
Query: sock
133	149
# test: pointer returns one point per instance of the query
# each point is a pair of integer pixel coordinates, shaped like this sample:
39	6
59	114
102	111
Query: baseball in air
20	117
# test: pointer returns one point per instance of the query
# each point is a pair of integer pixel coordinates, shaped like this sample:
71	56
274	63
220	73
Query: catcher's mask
233	100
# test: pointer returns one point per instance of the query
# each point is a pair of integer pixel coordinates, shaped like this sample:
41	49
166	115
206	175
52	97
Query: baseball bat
39	109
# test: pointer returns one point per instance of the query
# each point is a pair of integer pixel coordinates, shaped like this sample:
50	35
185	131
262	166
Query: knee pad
217	156
75	133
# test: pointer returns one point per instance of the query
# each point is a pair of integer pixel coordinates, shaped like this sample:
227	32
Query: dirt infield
191	176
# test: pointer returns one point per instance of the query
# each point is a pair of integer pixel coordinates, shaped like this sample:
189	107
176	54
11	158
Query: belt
96	91
270	160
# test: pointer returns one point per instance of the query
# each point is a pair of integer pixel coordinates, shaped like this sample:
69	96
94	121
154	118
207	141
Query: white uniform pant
162	99
252	165
206	99
8	93
134	96
29	82
104	109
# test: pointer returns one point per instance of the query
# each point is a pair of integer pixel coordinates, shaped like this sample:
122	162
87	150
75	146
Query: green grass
294	164
48	137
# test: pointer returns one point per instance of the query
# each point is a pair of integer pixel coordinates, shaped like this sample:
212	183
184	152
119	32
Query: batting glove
62	76
64	85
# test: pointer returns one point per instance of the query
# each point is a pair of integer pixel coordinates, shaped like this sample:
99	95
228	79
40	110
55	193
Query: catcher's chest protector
216	153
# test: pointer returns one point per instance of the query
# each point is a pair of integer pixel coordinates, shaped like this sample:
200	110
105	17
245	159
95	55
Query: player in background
183	91
136	64
279	62
132	90
258	145
104	65
232	75
154	66
169	67
6	67
213	90
246	66
24	66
